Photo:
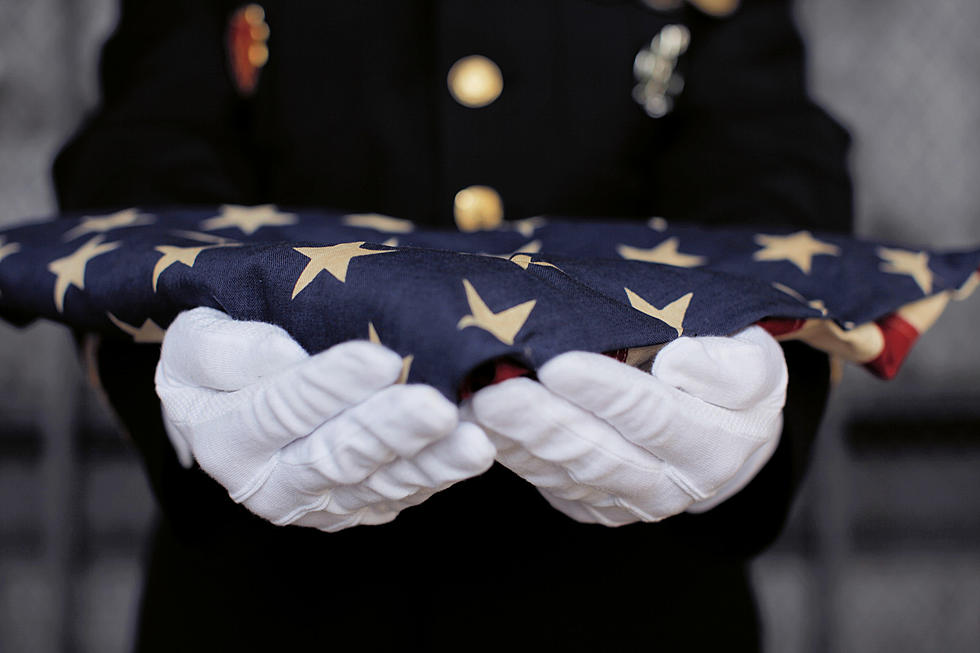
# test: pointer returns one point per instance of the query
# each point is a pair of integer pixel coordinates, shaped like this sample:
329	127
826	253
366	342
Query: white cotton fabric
328	441
607	443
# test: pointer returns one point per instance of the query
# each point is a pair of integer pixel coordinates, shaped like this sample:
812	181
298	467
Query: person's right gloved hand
329	441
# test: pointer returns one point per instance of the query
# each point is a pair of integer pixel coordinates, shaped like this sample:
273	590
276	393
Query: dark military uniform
352	111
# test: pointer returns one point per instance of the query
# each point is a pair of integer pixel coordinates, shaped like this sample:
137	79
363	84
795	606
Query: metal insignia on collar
658	83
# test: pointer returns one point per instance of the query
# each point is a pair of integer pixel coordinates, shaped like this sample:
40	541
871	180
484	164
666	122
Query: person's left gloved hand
610	444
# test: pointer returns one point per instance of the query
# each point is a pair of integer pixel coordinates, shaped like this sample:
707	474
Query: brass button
475	81
478	207
711	7
716	7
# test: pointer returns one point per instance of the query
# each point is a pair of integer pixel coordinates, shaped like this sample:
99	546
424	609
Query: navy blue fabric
414	293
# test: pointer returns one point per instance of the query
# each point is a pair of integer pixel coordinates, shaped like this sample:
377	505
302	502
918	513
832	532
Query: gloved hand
328	441
610	444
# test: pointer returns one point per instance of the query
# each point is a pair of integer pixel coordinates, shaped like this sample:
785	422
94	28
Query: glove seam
641	515
257	481
680	480
318	505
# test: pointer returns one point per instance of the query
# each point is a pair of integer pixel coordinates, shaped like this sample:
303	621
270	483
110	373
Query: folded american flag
449	302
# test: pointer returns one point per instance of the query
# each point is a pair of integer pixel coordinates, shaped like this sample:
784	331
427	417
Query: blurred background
883	550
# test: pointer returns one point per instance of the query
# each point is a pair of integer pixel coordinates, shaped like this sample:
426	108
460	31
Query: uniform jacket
352	111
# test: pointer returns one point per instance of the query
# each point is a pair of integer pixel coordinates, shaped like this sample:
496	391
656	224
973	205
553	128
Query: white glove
328	441
610	444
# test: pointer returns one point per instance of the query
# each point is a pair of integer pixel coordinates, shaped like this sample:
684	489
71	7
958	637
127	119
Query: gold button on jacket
475	81
478	207
710	7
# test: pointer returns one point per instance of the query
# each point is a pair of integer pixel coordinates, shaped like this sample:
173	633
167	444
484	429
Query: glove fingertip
369	355
465	453
477	446
419	413
200	318
204	347
497	405
363	365
584	377
567	365
734	372
421	398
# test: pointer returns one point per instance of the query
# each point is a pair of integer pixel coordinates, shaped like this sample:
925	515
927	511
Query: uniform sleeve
170	127
747	144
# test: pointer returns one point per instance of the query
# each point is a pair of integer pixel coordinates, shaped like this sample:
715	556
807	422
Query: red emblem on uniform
247	50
